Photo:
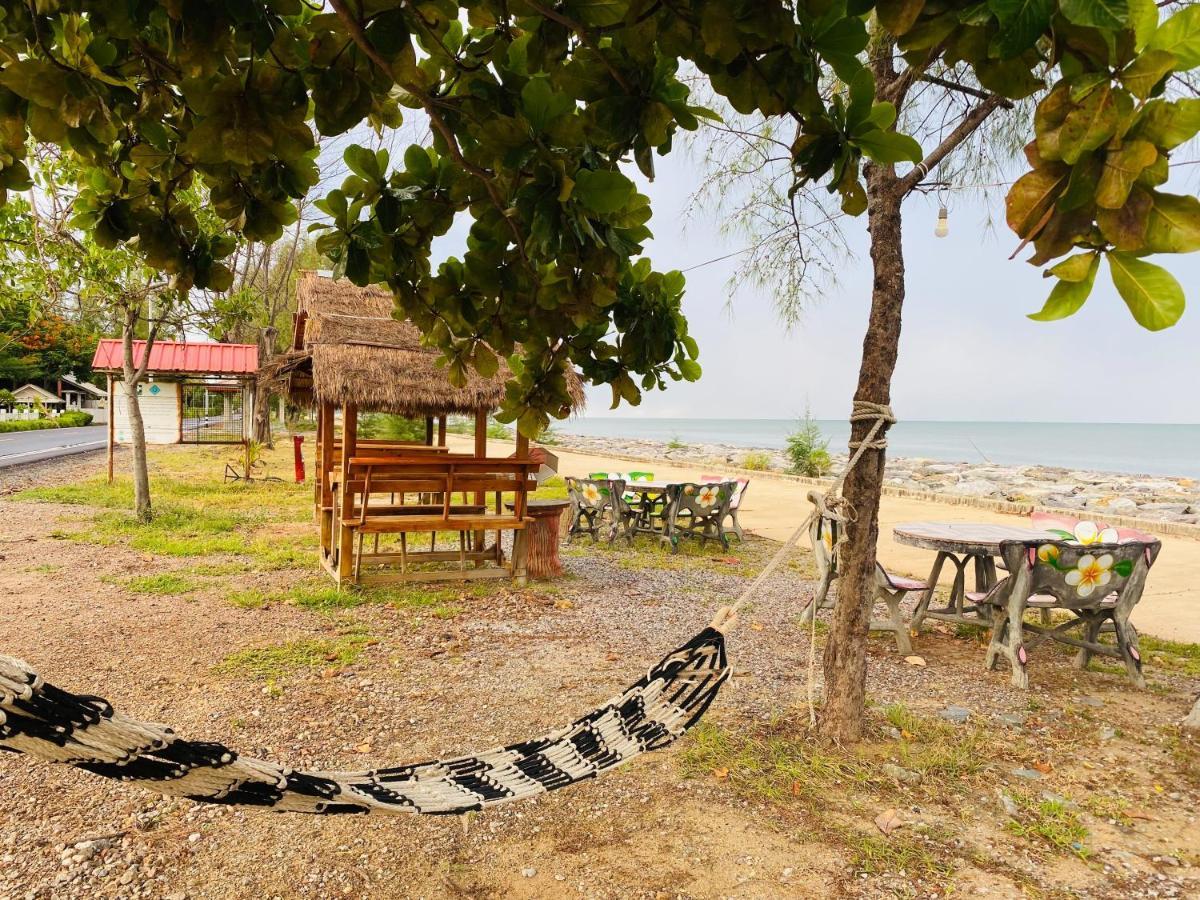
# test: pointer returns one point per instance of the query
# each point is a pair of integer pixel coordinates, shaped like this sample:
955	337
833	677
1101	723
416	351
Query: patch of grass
875	854
279	660
756	461
165	584
44	568
675	443
1052	822
1114	809
1177	655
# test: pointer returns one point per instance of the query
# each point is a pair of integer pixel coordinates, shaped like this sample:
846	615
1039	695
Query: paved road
20	447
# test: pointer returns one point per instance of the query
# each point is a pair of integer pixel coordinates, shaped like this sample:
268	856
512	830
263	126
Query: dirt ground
216	621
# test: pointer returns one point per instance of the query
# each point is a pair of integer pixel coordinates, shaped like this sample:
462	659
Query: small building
84	396
194	393
30	395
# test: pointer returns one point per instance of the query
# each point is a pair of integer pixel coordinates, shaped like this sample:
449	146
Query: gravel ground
511	664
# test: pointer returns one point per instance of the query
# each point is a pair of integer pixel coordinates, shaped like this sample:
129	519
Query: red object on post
297	440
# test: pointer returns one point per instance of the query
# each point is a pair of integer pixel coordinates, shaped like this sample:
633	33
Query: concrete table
960	543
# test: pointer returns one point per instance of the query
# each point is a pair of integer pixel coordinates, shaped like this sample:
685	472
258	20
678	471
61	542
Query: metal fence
213	413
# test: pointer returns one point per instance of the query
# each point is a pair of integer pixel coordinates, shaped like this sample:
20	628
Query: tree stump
542	536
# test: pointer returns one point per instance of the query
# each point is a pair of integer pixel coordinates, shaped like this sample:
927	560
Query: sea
1126	448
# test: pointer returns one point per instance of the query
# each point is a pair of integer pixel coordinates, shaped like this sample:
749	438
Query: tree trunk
262	392
137	428
845	652
262	413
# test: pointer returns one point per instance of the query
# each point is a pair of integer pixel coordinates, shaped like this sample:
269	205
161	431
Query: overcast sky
967	351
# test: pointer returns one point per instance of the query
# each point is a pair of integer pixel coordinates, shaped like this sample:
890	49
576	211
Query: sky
967	350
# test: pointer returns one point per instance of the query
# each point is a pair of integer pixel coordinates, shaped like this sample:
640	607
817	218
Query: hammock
49	723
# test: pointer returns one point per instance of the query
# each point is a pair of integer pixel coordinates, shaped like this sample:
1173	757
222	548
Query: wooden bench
435	480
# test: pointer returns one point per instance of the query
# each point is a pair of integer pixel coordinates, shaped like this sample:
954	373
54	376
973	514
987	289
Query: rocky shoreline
1156	497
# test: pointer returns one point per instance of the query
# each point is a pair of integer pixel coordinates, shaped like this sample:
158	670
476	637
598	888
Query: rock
1191	721
1013	720
1091	701
1008	804
975	487
528	872
1028	774
1107	733
899	773
956	714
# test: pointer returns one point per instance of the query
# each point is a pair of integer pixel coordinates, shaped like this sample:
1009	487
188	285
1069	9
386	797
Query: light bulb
942	228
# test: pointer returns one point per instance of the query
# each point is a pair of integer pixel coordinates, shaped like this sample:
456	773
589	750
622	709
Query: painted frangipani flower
1090	573
1048	553
708	495
1090	533
591	494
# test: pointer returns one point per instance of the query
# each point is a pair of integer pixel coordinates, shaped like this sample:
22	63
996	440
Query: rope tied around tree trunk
830	504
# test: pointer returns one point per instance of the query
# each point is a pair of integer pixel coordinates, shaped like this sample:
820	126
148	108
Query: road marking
52	449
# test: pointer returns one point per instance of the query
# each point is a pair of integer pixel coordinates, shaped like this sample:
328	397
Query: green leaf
889	146
541	105
603	191
1068	296
1089	125
1151	66
862	93
1180	35
883	115
1166	123
1151	292
1143	15
1075	268
1123	567
1110	14
1077	275
362	162
1173	225
898	16
1121	168
1022	22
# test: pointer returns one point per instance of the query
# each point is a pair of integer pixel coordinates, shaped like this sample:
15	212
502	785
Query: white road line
52	449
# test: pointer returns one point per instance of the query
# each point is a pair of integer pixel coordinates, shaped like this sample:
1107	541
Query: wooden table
542	536
960	543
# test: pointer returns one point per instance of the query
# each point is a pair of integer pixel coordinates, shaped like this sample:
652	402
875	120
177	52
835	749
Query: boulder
1191	722
976	487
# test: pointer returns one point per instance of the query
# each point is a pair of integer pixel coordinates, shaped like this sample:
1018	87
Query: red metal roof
196	358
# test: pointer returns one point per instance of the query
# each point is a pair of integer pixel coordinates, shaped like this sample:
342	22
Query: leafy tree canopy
37	346
533	106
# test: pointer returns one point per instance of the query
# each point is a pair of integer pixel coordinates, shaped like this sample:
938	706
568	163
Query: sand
773	507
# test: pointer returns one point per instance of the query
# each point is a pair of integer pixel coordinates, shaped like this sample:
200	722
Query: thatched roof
348	349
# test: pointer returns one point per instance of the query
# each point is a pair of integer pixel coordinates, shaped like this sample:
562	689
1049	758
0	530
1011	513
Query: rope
831	505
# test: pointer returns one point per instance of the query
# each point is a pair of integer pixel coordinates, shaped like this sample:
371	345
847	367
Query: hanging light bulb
942	228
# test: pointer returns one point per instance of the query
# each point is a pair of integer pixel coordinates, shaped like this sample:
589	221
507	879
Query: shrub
388	427
74	418
757	461
27	425
807	449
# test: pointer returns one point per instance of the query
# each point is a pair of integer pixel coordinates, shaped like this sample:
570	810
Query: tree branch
962	131
955	86
359	35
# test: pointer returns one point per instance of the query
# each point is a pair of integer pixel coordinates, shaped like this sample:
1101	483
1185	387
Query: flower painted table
960	543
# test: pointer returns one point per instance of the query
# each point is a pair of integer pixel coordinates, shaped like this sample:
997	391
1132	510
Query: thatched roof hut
349	350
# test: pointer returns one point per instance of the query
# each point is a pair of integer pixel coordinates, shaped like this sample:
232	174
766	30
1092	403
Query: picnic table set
1083	577
616	504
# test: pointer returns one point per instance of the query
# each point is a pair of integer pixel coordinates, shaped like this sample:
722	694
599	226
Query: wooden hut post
441	431
521	535
481	421
346	506
324	468
429	431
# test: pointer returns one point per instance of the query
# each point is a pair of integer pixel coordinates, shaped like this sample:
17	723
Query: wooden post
481	421
345	507
324	465
112	417
429	431
441	437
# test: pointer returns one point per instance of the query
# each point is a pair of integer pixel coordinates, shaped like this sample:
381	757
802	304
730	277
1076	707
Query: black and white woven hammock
49	723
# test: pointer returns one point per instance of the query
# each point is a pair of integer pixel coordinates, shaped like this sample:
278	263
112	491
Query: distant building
84	396
194	392
32	395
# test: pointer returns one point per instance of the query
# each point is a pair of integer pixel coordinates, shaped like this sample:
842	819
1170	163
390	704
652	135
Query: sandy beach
775	505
